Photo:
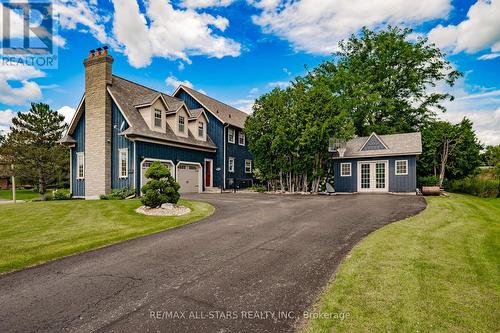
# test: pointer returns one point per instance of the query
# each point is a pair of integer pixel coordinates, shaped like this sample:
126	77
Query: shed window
181	124
123	162
230	135
80	165
157	118
345	169
248	166
201	129
241	139
230	166
401	167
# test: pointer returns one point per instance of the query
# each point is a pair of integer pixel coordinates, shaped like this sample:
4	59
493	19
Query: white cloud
23	75
181	66
6	119
264	4
479	31
68	113
130	29
318	26
205	3
281	84
164	31
286	71
84	16
481	107
244	104
174	82
489	56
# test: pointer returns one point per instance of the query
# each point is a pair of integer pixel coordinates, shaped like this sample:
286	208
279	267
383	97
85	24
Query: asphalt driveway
255	265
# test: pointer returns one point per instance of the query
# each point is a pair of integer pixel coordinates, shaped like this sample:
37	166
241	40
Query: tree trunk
444	158
41	182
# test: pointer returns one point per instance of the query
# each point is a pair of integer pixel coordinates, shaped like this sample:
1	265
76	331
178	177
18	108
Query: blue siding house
385	163
121	127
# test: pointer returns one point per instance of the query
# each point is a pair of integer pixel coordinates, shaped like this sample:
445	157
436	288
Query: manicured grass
34	232
438	271
20	194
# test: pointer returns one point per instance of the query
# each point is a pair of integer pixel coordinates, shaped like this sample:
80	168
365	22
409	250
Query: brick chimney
98	75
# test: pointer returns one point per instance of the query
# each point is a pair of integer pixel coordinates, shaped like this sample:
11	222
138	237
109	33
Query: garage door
145	166
188	177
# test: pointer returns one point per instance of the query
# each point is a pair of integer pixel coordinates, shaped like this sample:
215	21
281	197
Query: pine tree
31	145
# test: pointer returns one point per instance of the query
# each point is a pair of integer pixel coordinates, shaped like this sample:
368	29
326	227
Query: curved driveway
255	265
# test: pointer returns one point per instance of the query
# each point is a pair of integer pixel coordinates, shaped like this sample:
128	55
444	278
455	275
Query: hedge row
485	188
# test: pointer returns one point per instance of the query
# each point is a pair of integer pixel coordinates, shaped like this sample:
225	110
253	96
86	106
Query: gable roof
225	113
127	95
391	144
373	143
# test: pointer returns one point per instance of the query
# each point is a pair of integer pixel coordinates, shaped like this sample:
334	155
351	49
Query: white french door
373	176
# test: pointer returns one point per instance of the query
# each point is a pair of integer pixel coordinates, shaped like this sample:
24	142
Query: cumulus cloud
84	16
205	3
482	107
480	30
317	26
6	120
25	90
68	112
281	84
164	31
174	82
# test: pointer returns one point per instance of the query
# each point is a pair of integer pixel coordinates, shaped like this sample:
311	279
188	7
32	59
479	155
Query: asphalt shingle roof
224	112
397	144
127	93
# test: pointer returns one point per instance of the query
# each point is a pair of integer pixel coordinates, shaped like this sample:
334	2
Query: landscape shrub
119	194
485	188
427	181
258	188
161	187
61	195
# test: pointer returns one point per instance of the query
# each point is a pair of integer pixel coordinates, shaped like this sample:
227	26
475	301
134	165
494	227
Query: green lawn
438	271
34	232
20	194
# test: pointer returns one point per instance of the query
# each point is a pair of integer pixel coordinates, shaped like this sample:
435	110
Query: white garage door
145	166
188	177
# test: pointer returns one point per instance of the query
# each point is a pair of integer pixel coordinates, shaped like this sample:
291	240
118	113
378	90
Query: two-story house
121	127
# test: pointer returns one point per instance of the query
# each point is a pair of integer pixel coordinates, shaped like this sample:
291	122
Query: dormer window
158	118
181	124
201	129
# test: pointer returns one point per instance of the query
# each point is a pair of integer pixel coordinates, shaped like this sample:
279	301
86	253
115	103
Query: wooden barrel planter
431	190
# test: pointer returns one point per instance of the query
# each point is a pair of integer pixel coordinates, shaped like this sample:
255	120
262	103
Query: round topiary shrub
161	187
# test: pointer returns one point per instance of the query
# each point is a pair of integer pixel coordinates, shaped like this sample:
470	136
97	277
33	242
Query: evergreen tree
31	145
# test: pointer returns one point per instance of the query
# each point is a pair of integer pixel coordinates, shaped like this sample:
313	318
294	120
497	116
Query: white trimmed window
181	124
80	165
201	129
345	169
158	118
241	139
401	167
248	166
230	135
230	164
123	162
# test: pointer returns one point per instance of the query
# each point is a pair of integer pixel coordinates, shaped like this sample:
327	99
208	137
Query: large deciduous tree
449	150
385	80
31	145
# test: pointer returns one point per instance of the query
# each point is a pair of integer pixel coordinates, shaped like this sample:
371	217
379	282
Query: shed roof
392	144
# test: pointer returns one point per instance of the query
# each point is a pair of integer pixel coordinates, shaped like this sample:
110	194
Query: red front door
208	173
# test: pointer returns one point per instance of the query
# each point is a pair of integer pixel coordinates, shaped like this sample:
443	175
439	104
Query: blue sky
235	50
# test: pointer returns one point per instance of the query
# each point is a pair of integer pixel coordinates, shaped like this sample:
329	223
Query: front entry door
208	173
373	176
